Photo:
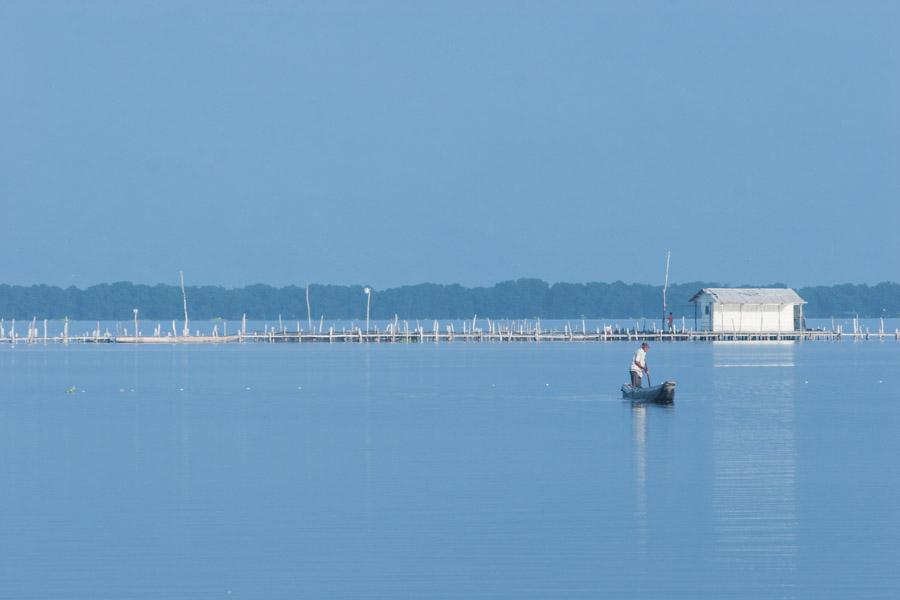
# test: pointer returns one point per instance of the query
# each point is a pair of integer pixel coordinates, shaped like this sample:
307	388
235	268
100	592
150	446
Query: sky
391	143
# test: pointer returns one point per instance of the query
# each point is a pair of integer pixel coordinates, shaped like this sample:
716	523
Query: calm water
449	471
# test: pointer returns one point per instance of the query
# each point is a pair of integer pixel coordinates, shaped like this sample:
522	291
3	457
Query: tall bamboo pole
665	285
187	330
308	309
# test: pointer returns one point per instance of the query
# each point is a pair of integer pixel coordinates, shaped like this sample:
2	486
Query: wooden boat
661	394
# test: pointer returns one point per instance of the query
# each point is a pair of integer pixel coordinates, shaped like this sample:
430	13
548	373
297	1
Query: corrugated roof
752	295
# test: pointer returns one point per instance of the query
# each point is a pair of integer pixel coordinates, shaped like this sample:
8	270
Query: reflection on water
639	429
754	489
641	413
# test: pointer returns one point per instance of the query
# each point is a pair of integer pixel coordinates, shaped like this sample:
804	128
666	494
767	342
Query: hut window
706	309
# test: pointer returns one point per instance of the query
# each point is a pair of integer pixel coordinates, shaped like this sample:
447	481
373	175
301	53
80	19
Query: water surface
448	471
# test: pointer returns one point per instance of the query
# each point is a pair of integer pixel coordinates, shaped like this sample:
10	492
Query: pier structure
395	332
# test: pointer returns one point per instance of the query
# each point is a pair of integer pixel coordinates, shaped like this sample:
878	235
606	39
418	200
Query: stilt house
748	310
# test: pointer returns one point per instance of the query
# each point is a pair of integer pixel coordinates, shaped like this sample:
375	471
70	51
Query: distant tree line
523	298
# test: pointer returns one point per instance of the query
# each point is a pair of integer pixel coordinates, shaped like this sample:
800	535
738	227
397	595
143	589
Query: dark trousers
635	379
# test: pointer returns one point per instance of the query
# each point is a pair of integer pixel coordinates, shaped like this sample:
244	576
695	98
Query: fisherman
639	365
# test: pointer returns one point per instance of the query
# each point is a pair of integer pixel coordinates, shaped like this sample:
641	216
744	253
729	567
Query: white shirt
640	358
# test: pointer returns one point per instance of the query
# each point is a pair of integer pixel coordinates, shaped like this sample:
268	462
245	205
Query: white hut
748	310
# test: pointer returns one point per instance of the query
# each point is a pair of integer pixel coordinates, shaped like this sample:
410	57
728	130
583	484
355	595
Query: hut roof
751	295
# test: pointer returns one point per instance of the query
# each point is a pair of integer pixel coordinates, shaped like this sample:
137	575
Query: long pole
368	292
666	285
308	309
187	330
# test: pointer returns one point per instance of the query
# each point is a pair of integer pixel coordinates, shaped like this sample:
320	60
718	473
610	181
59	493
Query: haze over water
448	471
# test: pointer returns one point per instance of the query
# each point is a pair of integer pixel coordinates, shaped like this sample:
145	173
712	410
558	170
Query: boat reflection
639	416
639	432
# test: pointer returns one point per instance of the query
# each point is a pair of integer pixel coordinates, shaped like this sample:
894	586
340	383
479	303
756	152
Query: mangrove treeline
523	298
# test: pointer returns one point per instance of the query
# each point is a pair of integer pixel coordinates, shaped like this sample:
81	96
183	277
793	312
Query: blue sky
472	142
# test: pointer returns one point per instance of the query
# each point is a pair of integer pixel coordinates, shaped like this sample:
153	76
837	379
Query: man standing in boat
639	365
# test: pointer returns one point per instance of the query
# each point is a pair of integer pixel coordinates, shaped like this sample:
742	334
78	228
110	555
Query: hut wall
753	318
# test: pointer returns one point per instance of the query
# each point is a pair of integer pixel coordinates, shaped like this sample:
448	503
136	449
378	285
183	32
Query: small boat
662	394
